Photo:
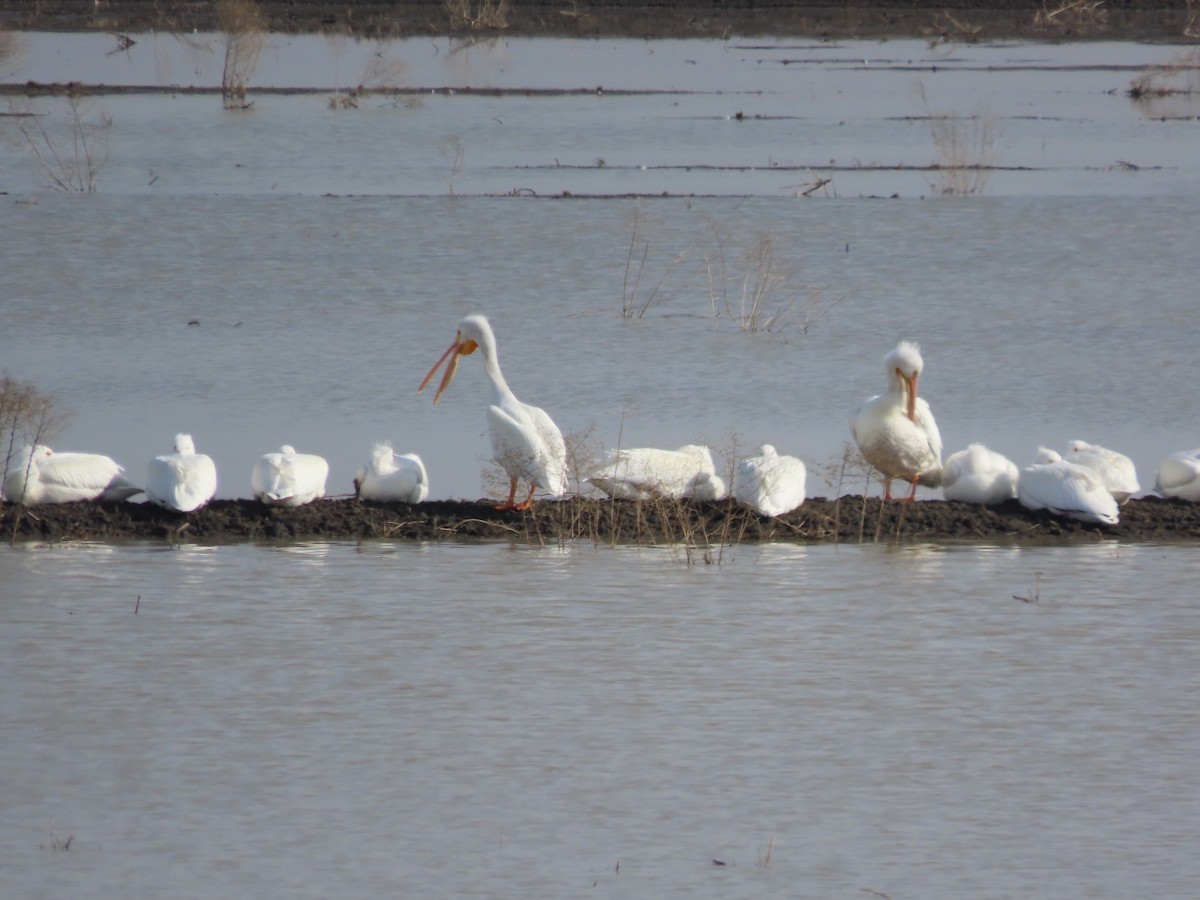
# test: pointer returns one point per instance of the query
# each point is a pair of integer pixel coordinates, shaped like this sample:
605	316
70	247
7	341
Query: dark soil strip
648	523
951	20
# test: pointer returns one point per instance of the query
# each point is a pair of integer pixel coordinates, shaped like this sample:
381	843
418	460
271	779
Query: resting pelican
1116	469
770	484
288	478
1066	489
392	477
895	431
644	472
1179	476
979	475
525	441
40	475
184	480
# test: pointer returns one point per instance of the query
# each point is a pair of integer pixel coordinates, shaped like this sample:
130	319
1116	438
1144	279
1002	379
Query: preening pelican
1179	476
525	441
1066	489
1116	469
288	478
770	484
392	477
40	475
895	431
645	472
184	480
979	475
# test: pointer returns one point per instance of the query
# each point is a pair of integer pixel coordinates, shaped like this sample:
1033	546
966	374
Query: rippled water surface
496	720
365	720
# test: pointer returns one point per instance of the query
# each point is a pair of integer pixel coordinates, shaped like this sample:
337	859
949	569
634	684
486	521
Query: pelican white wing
40	475
184	480
288	478
770	484
1066	489
644	472
979	475
1179	476
389	477
1116	470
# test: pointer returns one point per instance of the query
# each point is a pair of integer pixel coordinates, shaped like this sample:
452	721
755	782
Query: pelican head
472	331
1047	457
184	445
903	366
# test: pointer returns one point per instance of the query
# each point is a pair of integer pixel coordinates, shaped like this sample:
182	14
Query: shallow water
447	720
319	719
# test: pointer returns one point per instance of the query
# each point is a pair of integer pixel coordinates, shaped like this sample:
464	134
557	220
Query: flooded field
449	719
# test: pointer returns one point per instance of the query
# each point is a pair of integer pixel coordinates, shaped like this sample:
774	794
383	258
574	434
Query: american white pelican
1179	476
184	480
288	478
770	484
525	441
645	472
895	431
1116	469
392	477
40	475
1066	489
979	475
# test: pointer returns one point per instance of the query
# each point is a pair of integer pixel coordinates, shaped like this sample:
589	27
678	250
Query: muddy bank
846	520
960	20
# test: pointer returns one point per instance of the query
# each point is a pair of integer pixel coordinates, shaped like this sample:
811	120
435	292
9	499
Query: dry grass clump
243	30
1180	77
760	293
477	15
965	149
69	153
763	298
27	416
381	73
1071	15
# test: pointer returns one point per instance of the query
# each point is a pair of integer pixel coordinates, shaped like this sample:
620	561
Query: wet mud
646	523
957	20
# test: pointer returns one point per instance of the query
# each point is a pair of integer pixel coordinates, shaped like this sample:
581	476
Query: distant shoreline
953	21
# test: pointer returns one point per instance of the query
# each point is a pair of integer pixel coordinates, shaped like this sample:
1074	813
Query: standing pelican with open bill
525	441
895	431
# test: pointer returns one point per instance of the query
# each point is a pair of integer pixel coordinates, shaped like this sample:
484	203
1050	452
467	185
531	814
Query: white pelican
525	441
1179	476
1066	489
184	480
644	472
895	431
288	478
770	484
1116	469
392	477
979	475
40	475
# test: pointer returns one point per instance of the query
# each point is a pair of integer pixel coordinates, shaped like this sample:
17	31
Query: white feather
1066	489
40	475
389	477
184	480
979	475
288	478
770	484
